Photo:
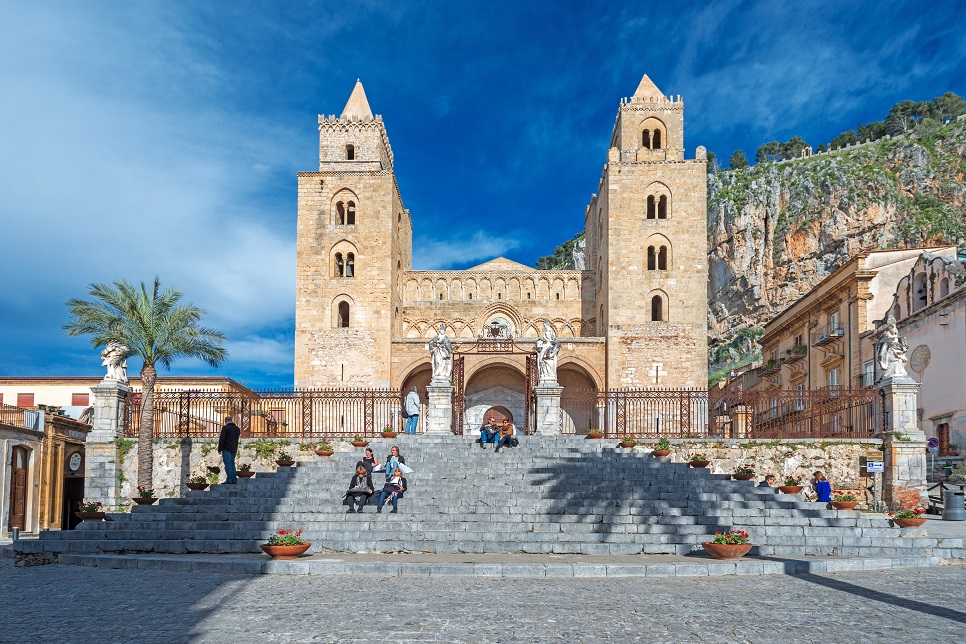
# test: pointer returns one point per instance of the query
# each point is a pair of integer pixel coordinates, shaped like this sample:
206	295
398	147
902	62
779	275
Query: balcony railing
829	334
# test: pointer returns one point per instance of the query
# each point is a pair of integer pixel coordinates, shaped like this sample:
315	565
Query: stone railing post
548	408
904	444
439	418
102	483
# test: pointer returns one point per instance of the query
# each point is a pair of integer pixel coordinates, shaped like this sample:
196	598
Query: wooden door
18	489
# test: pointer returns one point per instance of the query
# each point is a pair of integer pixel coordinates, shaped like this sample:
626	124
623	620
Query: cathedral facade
635	316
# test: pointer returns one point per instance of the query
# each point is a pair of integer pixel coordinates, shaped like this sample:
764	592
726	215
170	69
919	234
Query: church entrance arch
419	378
507	385
579	408
499	414
495	386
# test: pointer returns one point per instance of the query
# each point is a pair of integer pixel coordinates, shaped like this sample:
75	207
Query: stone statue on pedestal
441	350
547	348
112	357
890	352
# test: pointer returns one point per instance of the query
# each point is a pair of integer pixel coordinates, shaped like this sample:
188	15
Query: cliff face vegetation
777	229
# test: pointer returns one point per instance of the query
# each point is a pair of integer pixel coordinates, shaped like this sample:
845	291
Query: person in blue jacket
823	489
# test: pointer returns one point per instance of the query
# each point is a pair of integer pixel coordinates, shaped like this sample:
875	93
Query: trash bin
953	509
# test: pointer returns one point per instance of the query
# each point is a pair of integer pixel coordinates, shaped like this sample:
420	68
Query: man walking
412	411
228	447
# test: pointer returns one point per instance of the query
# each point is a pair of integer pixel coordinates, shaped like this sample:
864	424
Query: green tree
153	326
712	162
873	131
738	160
845	138
792	148
769	152
949	106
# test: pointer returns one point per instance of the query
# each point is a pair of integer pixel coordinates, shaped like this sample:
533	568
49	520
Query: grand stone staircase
550	495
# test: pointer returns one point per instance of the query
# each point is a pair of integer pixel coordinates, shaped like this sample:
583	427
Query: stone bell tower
354	241
647	245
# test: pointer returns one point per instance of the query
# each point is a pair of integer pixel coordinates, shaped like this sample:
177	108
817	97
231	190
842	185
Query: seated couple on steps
504	434
361	488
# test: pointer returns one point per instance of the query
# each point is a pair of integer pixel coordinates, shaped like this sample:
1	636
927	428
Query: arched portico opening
418	377
578	402
497	385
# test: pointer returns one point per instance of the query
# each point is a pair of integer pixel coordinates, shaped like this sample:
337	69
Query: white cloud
459	250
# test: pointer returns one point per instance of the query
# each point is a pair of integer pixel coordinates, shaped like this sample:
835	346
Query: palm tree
153	326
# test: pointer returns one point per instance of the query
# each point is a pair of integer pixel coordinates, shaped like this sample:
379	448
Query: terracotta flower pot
388	434
790	489
699	463
324	452
196	486
626	444
909	523
660	453
285	552
726	551
91	516
595	435
285	463
843	505
743	477
144	500
245	474
360	443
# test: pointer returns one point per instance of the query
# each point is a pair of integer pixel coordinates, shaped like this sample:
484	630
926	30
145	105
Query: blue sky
164	138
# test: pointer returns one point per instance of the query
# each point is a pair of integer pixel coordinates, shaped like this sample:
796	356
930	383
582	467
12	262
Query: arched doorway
579	409
419	378
18	488
499	414
496	385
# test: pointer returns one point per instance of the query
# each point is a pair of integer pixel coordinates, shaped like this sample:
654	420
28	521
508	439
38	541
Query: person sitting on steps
392	490
393	461
360	489
489	432
369	461
507	435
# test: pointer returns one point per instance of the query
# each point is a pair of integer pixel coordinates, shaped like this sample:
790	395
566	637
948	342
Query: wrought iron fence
303	414
20	417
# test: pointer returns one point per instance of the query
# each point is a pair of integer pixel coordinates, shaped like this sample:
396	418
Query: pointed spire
358	105
647	90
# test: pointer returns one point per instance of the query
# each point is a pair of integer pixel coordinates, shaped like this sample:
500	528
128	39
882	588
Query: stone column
439	416
903	442
101	482
548	408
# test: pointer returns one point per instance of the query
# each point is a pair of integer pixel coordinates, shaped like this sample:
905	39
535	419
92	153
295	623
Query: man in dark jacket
228	447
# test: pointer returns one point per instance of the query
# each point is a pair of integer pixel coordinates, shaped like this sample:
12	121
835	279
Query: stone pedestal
548	419
439	416
904	444
102	482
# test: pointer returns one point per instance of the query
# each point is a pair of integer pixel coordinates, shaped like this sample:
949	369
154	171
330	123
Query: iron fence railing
20	417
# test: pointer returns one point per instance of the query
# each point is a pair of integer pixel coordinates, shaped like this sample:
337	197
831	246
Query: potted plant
285	544
145	496
324	448
284	460
245	471
699	460
908	518
792	485
662	449
90	511
728	546
627	441
388	431
197	482
743	473
595	434
359	441
843	501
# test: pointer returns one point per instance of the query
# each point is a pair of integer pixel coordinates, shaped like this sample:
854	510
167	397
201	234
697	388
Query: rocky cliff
777	229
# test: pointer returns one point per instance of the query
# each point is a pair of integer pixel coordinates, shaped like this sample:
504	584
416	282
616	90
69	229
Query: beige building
930	308
826	338
634	316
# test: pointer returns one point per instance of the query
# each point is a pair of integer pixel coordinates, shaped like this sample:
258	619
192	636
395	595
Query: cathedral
633	316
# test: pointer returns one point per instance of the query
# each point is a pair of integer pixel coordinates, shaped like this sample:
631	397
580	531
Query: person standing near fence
412	411
228	447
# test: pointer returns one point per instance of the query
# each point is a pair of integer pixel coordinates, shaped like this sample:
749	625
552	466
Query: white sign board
932	450
874	466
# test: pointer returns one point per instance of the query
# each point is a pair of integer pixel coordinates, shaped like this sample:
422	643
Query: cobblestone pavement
73	604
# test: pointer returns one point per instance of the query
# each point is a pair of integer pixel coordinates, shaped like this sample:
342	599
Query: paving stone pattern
78	605
551	495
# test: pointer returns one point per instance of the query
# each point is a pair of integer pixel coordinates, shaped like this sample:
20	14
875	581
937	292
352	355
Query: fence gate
459	394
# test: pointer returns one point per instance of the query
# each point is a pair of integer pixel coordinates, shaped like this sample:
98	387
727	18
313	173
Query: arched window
919	292
650	207
646	139
651	259
898	312
339	265
350	215
343	315
350	265
350	152
340	213
657	309
944	287
661	259
657	139
471	296
662	207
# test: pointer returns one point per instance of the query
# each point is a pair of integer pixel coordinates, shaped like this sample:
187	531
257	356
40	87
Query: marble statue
890	352
547	348
112	357
441	350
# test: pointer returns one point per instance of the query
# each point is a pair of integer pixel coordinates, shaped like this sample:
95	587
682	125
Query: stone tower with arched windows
646	232
353	243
